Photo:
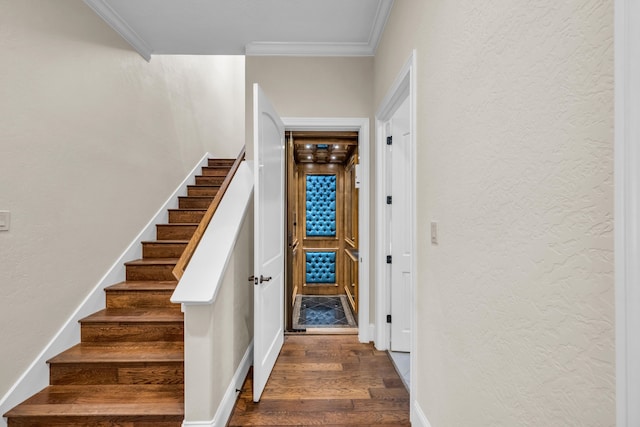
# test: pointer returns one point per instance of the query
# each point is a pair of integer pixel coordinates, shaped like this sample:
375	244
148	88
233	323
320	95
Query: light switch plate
5	219
434	233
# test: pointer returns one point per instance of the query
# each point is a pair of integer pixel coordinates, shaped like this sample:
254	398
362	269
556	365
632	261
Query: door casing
361	125
404	86
627	211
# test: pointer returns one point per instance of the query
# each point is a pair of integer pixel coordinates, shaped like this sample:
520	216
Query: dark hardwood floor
328	380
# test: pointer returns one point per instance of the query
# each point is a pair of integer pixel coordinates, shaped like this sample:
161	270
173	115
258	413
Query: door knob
264	279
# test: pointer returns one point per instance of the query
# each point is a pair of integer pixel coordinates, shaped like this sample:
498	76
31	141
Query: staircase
128	369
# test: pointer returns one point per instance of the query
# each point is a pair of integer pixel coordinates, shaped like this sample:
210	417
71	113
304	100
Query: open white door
268	301
400	230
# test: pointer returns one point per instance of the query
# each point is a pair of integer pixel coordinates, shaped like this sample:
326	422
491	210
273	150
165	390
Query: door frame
399	160
404	86
361	125
627	211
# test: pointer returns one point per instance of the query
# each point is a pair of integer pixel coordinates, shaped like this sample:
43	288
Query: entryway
396	222
322	231
270	229
352	264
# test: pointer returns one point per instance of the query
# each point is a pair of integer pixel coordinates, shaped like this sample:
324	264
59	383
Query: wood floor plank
327	380
318	367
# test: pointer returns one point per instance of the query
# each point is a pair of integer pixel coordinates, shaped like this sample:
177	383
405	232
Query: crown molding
327	49
115	21
382	15
308	49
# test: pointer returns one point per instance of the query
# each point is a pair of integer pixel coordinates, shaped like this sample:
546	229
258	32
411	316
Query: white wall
217	335
514	145
92	141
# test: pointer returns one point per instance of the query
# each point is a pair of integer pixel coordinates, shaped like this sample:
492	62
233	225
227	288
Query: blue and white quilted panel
321	205
321	267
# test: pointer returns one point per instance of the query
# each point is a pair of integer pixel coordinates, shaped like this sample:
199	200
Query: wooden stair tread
196	197
128	368
122	352
209	178
211	186
147	315
165	242
103	400
152	261
151	285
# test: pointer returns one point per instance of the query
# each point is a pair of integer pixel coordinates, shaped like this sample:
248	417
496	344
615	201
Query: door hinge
388	318
389	200
389	140
388	259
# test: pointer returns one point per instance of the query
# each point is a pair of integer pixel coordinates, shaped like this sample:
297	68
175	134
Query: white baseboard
36	377
223	413
418	418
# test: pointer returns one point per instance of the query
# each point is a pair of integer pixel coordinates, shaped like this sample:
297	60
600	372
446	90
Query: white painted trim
362	126
377	29
204	274
418	418
403	86
368	48
372	331
223	413
627	211
308	49
36	377
381	339
115	21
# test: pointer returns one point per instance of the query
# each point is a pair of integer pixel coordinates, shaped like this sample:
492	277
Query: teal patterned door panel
320	267
321	206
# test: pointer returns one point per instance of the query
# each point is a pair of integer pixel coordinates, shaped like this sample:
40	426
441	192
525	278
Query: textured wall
515	144
93	139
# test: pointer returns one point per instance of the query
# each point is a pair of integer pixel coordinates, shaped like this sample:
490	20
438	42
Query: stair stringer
36	376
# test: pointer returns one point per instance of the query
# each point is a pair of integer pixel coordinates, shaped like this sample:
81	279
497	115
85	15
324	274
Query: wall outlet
434	233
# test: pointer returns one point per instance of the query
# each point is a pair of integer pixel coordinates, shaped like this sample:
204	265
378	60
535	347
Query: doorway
360	260
322	231
396	223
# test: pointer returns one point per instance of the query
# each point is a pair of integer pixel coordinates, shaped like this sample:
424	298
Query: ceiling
251	27
324	147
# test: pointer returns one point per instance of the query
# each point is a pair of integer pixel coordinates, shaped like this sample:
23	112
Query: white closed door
269	250
400	229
